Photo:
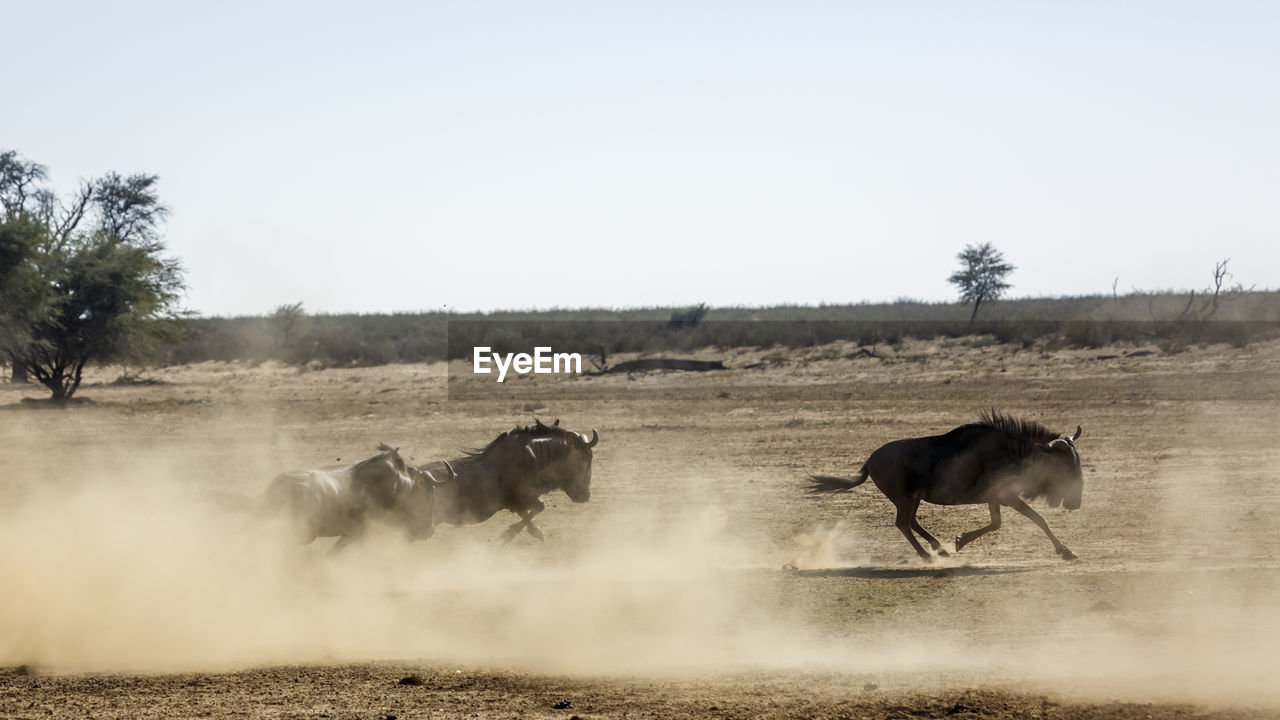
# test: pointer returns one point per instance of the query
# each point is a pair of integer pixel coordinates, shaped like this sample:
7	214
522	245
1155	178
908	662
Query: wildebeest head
559	458
1058	471
383	477
389	455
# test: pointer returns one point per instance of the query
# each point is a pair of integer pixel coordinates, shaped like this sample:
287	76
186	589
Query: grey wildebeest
341	500
999	461
512	473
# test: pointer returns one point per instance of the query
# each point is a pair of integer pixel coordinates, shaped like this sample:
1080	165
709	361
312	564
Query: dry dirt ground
134	582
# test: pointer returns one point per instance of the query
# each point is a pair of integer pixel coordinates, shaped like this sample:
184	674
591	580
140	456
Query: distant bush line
377	339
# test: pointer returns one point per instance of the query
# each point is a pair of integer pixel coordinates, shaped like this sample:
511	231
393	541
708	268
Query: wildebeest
341	500
999	460
512	472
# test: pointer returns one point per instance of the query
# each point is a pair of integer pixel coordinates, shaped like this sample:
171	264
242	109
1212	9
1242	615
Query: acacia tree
291	324
24	299
93	282
981	275
19	238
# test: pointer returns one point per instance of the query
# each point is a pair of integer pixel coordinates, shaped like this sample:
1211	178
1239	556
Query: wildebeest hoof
959	542
1068	555
942	552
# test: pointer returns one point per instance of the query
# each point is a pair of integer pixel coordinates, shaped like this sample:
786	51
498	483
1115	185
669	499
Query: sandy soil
137	585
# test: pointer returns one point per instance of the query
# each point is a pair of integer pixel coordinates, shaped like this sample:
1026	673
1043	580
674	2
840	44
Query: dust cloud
826	546
127	569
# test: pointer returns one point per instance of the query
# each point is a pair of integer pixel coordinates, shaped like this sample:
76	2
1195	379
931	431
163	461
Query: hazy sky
481	155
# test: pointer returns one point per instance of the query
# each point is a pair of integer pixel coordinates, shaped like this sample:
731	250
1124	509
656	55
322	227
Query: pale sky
378	156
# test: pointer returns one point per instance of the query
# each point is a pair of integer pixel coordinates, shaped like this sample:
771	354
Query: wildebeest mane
385	452
1024	433
546	451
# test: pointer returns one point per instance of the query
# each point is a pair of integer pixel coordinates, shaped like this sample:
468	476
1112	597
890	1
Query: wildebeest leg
933	541
526	522
1025	509
966	538
906	519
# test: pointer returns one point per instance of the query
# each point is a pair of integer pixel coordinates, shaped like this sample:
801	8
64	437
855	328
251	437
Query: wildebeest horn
1077	435
529	449
595	438
453	474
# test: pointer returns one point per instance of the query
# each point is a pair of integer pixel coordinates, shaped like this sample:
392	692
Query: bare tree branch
71	215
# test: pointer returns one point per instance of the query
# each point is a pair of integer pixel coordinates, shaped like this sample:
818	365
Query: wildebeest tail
830	484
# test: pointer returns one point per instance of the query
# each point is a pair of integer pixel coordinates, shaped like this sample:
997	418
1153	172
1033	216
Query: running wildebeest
998	460
341	500
512	472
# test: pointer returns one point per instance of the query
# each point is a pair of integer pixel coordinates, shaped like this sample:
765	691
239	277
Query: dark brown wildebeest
341	500
512	472
998	460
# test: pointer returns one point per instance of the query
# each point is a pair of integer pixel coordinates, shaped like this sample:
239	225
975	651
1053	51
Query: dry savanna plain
699	581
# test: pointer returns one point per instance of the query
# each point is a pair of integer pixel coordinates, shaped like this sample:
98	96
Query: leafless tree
602	367
1212	299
